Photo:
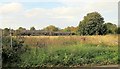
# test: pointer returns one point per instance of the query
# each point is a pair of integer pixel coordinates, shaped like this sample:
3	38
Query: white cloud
41	12
14	14
10	8
59	12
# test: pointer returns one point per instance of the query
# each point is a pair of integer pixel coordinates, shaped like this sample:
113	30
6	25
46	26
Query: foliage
32	28
71	29
11	54
91	24
73	55
6	32
111	28
46	51
21	28
69	51
51	28
18	31
118	30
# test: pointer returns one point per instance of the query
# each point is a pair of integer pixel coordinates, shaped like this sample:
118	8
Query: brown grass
108	40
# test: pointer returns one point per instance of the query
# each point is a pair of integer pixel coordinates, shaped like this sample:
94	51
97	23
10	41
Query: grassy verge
70	56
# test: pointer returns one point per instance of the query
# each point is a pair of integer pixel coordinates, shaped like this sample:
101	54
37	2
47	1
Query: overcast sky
61	13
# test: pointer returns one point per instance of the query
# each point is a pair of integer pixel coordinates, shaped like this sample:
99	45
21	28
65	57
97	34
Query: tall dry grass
70	51
108	40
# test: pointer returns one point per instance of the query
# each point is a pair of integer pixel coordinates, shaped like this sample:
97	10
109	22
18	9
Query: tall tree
91	24
6	32
21	28
32	28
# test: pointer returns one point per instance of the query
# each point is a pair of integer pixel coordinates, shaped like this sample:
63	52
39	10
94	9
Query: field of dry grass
108	40
71	51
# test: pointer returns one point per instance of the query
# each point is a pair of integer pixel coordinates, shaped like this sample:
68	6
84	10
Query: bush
11	55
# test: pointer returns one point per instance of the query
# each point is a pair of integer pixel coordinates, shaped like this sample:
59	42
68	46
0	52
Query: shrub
11	55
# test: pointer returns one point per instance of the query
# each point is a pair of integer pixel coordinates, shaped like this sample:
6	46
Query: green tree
70	29
19	30
51	28
111	28
6	32
118	30
32	28
103	29
91	24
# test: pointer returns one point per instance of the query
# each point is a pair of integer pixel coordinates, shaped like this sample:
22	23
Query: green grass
71	55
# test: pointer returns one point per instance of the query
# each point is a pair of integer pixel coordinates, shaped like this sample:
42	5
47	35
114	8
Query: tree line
92	24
